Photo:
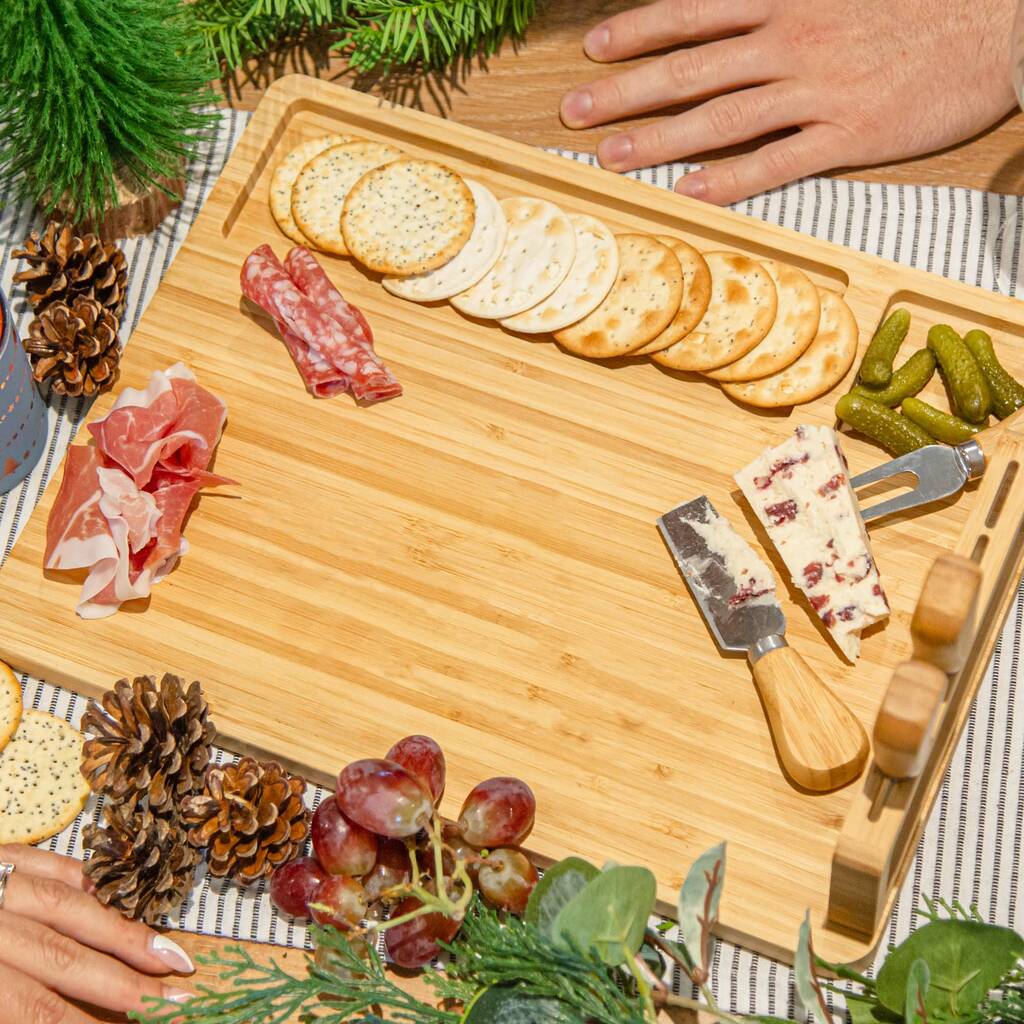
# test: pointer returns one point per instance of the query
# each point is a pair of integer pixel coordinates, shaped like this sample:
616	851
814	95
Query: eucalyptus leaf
917	991
698	904
513	1006
557	886
610	914
966	959
867	1010
808	987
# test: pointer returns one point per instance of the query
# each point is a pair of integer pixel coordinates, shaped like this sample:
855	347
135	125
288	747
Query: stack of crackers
41	785
762	329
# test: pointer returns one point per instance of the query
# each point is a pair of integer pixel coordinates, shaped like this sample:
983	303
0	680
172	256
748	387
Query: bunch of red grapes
382	854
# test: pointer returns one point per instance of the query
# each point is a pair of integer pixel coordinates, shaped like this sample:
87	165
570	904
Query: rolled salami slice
372	380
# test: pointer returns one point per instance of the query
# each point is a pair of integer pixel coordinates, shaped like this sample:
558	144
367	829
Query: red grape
414	943
392	868
506	878
340	901
425	759
292	885
498	812
342	846
456	848
383	797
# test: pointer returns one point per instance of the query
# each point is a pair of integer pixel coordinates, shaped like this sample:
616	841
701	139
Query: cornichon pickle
943	426
1007	393
968	388
892	431
876	367
906	382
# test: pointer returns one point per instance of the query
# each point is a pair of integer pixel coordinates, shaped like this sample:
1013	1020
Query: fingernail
616	150
577	105
172	954
178	995
692	186
596	40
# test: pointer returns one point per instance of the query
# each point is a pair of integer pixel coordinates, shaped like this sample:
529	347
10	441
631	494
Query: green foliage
698	905
916	1002
511	1006
610	914
808	988
558	885
92	89
373	33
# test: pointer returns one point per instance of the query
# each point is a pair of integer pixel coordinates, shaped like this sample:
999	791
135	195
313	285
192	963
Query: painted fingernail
577	105
178	995
692	186
597	39
616	150
172	954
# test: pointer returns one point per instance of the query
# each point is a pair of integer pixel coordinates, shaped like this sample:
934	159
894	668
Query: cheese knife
819	742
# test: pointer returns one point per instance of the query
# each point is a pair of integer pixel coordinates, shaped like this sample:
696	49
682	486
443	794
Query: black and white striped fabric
971	849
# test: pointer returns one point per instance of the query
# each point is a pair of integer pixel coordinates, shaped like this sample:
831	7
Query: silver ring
6	870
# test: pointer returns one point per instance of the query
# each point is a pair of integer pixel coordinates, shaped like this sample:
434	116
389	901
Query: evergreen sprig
374	34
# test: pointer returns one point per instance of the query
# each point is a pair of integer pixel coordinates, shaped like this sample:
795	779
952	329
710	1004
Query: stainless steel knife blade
733	587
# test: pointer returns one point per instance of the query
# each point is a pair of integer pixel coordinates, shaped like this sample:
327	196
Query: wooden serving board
478	560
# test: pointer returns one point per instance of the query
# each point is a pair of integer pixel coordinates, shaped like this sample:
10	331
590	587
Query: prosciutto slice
123	499
329	340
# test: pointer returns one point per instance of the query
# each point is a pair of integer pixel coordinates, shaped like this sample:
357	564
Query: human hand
58	944
864	81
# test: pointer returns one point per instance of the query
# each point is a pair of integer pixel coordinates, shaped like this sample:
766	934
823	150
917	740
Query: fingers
668	23
51	902
675	78
75	971
43	864
28	1002
722	121
809	151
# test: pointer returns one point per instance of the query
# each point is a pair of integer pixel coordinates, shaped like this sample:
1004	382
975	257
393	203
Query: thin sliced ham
123	499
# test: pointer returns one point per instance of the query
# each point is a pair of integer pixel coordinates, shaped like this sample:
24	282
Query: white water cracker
796	323
322	185
474	259
589	280
535	260
284	176
41	785
824	364
10	705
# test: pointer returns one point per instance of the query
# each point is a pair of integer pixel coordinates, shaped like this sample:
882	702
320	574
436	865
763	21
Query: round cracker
407	217
284	176
538	252
825	363
641	304
319	192
739	315
41	785
796	323
588	282
10	705
696	296
474	259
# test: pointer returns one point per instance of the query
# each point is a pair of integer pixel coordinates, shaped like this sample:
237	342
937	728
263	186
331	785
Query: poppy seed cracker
10	705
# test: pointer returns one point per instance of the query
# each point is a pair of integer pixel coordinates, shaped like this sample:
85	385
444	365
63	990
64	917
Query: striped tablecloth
971	849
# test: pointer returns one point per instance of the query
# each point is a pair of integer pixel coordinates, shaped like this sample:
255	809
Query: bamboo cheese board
478	560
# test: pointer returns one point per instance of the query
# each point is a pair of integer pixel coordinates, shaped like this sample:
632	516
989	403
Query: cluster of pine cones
148	751
76	286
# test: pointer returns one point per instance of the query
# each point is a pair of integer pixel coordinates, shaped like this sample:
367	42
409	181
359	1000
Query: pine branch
96	90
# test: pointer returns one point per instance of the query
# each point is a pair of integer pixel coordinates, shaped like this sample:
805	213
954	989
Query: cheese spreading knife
819	742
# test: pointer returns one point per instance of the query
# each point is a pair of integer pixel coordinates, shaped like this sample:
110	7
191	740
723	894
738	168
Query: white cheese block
800	490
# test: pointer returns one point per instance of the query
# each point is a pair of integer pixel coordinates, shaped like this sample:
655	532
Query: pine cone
63	265
74	349
141	863
251	818
153	743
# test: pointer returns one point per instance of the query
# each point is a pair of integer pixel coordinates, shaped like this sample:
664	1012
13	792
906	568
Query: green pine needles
93	92
375	34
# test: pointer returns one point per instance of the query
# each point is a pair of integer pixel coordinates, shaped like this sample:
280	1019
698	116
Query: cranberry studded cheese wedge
800	490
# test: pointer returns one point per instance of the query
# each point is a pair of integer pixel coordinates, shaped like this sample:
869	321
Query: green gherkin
92	91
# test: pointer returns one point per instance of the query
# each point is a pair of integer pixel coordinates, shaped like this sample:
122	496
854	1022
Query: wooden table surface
516	93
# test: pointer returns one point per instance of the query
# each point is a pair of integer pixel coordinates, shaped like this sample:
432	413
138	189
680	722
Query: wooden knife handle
905	726
943	623
820	743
